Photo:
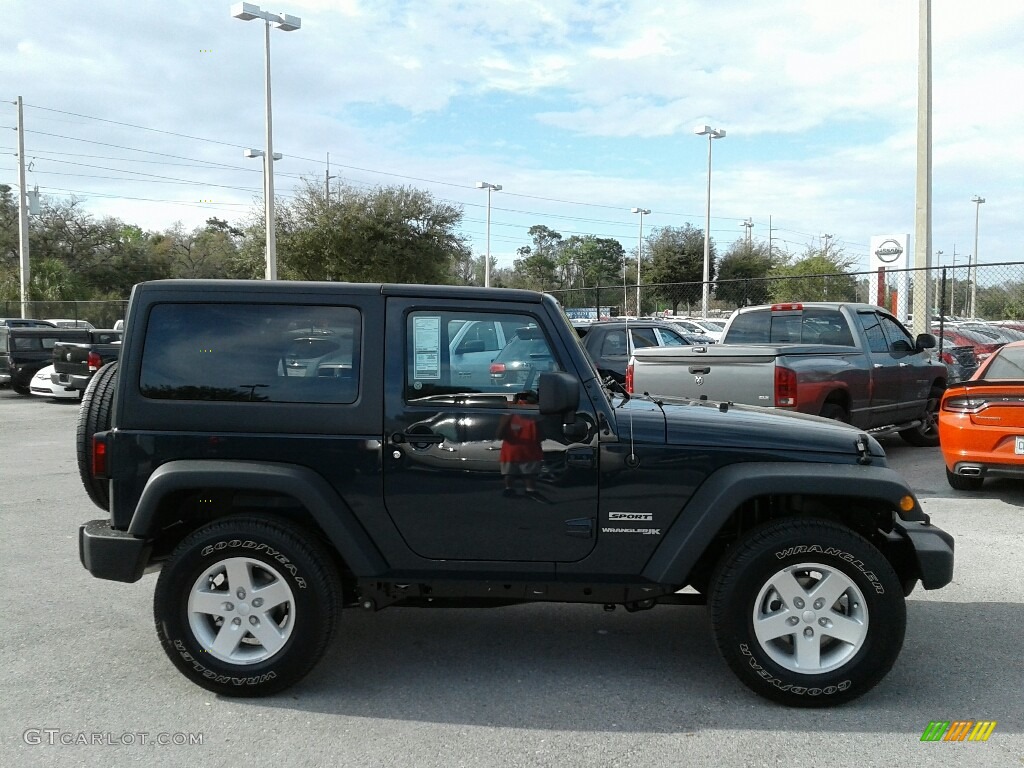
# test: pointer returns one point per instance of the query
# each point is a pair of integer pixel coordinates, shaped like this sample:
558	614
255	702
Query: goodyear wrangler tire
807	613
246	606
94	416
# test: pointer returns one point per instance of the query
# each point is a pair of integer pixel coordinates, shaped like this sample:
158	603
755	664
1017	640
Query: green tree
676	256
388	234
816	276
742	272
538	266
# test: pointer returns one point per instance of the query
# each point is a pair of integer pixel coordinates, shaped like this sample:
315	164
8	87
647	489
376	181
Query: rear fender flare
329	510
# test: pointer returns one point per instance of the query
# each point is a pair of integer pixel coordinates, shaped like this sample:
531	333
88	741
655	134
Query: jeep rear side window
252	353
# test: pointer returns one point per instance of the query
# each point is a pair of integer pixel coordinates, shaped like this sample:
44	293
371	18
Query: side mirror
559	393
926	341
466	347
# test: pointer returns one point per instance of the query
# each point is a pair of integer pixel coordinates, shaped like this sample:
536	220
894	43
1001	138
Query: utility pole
327	180
922	261
769	237
977	200
952	285
749	225
825	240
22	213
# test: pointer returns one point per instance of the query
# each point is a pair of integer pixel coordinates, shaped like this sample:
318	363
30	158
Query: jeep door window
252	353
441	345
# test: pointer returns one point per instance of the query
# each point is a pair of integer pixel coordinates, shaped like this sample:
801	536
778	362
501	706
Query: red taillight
786	307
497	369
629	378
99	456
785	388
94	361
947	358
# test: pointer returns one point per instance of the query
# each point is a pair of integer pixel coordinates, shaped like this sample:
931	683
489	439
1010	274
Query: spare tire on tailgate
94	416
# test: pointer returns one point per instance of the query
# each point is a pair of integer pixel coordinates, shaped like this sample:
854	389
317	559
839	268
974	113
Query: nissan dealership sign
890	253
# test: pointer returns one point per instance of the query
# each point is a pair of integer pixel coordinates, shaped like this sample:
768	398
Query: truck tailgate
738	374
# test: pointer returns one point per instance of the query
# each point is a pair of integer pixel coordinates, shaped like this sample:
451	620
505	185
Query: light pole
711	133
487	259
977	200
825	240
939	294
639	251
286	23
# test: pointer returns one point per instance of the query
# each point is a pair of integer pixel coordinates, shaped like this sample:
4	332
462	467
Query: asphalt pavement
84	681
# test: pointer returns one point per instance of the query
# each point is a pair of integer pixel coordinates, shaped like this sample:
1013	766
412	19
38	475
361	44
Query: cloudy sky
580	109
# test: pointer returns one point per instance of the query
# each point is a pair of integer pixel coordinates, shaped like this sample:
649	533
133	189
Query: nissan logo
889	251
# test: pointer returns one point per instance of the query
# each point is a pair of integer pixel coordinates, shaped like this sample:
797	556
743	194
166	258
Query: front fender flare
725	490
329	510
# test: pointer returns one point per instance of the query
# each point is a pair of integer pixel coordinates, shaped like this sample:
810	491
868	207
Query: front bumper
932	549
108	553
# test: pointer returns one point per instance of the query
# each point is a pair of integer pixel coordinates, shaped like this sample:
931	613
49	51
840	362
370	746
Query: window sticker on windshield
427	347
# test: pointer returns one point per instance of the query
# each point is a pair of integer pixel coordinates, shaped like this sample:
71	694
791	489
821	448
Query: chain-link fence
986	291
100	314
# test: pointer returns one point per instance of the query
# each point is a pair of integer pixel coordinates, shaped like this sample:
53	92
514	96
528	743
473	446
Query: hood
721	426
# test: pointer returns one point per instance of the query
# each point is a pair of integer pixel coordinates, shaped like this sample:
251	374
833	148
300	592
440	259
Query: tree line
402	234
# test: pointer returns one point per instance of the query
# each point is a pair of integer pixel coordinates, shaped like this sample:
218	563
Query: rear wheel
926	434
807	613
94	416
21	389
962	482
246	606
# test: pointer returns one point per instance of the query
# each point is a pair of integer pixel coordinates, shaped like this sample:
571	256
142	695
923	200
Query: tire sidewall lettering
798	690
253	548
801	550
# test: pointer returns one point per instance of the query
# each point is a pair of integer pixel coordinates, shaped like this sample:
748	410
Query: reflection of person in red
521	453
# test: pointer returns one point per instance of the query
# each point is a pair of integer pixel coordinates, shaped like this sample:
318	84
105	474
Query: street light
711	133
487	262
286	23
639	251
977	200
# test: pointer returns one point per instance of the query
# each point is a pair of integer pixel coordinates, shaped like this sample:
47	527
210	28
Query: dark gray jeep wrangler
280	451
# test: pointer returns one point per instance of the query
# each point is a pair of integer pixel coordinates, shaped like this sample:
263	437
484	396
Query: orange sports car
981	421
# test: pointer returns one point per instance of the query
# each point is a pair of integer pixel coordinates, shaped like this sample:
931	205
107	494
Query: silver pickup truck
850	362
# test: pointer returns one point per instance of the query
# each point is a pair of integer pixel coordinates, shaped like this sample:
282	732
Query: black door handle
416	438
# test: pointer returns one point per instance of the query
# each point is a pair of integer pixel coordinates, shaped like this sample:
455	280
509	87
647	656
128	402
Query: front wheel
807	613
926	434
246	606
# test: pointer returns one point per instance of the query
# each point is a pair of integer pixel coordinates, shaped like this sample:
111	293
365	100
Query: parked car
609	348
25	322
983	345
45	384
269	514
71	323
23	351
981	422
519	365
960	359
696	326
